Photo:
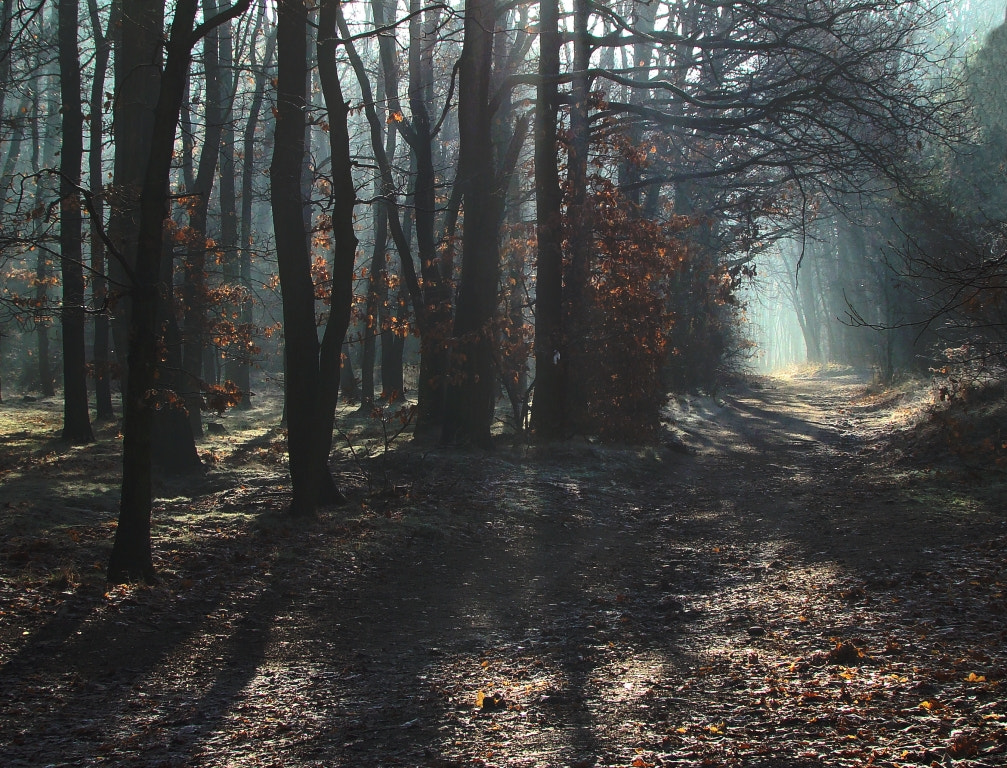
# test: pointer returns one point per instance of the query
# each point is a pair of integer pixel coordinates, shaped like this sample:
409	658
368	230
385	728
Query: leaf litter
779	595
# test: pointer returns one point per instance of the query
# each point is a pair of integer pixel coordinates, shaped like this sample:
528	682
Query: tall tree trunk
300	360
436	273
188	139
307	171
47	386
44	142
348	384
239	370
14	144
228	185
472	392
548	412
377	275
174	446
630	171
393	344
807	314
194	287
131	558
76	418
344	253
396	227
311	368
173	440
137	71
99	285
581	229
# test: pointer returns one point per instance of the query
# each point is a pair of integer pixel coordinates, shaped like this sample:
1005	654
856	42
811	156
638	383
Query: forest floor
809	572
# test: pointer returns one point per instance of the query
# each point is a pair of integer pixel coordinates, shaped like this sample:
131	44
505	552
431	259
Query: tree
385	212
6	23
194	292
239	365
99	282
548	412
311	367
226	334
580	228
300	356
44	148
131	558
343	200
744	118
137	74
388	215
436	269
481	183
76	419
469	415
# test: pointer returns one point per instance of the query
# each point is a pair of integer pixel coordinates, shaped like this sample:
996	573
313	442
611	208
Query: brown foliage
629	316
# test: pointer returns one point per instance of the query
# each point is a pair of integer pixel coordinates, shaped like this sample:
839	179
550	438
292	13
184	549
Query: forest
499	383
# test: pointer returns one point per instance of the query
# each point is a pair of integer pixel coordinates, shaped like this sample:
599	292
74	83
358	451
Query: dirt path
779	597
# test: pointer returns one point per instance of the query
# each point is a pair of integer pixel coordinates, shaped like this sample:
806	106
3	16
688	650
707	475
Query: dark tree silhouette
76	419
549	412
311	367
131	558
99	282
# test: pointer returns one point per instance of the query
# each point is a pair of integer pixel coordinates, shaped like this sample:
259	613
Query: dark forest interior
584	384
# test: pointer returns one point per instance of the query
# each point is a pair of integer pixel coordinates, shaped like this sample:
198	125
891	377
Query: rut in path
774	599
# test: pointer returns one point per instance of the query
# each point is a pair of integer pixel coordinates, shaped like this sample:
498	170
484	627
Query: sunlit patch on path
774	596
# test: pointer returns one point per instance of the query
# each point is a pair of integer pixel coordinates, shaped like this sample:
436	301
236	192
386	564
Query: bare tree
131	558
76	419
549	412
99	282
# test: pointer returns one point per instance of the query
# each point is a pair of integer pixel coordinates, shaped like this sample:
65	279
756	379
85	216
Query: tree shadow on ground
612	607
92	668
568	589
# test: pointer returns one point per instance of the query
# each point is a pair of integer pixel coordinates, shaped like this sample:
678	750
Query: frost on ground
786	580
